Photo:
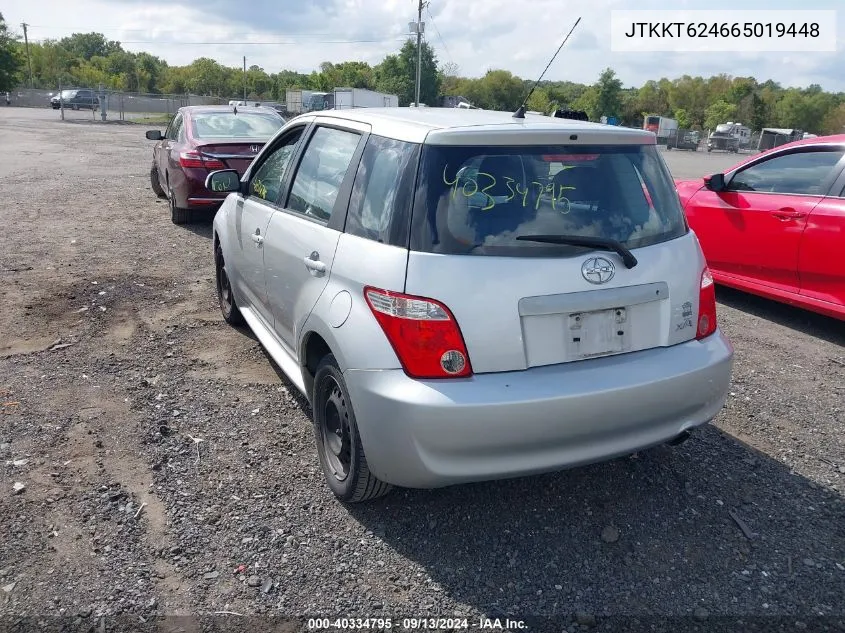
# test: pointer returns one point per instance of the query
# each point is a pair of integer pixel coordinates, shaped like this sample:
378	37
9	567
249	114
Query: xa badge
598	270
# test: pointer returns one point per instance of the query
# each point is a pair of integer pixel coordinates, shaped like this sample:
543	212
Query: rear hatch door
522	303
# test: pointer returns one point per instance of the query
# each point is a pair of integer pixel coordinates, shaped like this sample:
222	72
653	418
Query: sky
516	35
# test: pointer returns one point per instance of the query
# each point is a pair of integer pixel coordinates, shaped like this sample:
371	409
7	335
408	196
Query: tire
177	215
155	183
225	296
338	442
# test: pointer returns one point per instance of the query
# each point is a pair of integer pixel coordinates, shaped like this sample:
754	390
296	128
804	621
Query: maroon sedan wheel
177	215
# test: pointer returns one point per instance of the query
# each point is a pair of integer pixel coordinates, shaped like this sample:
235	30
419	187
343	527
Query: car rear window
255	125
478	199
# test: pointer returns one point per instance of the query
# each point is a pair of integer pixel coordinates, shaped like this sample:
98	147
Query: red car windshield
251	125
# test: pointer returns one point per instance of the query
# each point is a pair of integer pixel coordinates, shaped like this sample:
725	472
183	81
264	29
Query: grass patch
162	119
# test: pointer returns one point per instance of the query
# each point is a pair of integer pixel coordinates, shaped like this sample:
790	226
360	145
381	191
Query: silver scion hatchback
463	296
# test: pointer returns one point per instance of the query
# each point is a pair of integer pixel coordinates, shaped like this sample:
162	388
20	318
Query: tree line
90	59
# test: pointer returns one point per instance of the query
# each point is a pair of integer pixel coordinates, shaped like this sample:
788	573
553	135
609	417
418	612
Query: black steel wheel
155	183
338	442
225	296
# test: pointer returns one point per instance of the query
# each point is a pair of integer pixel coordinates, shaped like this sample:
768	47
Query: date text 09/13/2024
414	624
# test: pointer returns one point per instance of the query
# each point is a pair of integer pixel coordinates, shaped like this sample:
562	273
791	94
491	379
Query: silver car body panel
432	433
495	300
358	340
534	403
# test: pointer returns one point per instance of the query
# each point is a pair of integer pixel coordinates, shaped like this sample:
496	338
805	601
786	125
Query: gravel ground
168	468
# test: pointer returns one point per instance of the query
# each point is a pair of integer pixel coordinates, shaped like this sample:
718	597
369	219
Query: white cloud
519	36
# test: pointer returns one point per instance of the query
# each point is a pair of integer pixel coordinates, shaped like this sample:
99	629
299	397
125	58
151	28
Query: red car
774	225
202	139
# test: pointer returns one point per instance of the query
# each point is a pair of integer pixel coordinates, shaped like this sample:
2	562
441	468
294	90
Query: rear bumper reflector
205	201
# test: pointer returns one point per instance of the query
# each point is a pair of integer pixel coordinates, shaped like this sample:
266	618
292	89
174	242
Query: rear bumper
428	434
191	192
208	203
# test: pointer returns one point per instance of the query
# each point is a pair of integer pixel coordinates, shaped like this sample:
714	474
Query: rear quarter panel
342	316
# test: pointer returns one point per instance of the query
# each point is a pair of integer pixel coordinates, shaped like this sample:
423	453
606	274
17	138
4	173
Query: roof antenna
235	110
520	112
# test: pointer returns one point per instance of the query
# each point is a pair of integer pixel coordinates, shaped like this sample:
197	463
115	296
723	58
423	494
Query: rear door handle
313	263
788	213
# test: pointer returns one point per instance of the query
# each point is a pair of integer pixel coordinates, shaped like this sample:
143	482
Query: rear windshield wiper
598	243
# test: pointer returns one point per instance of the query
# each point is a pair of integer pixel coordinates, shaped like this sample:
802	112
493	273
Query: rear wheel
338	442
225	297
177	215
155	183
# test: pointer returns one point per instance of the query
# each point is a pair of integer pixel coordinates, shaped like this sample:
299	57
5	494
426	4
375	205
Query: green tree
608	94
397	74
450	79
259	84
11	60
88	45
589	103
539	101
564	93
206	77
653	98
834	120
500	90
50	64
683	118
719	112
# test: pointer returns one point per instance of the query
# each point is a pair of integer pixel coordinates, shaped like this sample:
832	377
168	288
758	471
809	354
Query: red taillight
706	323
423	332
196	160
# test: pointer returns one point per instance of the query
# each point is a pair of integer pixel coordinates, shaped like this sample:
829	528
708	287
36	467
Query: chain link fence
120	106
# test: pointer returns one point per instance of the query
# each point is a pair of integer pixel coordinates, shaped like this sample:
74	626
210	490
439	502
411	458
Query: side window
798	173
321	172
267	181
382	195
175	126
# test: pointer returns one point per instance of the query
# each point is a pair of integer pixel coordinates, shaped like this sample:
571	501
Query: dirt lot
160	450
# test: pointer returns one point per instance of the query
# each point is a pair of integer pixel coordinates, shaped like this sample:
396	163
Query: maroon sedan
202	139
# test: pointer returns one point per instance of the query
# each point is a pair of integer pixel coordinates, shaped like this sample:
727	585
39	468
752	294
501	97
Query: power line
231	43
440	37
105	30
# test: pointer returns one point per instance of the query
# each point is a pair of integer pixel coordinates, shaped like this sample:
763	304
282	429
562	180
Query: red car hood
687	188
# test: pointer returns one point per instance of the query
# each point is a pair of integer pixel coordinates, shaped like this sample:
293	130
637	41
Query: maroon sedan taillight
196	160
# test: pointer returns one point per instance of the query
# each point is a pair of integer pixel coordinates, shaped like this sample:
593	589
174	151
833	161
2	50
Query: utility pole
419	27
244	77
26	43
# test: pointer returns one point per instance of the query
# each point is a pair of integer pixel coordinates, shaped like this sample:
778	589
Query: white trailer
345	98
662	126
299	101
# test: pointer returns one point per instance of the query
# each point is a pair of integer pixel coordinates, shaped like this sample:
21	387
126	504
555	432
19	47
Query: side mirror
223	181
154	135
716	182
